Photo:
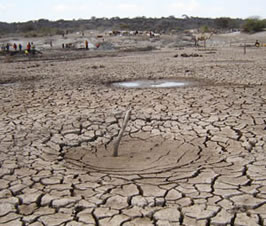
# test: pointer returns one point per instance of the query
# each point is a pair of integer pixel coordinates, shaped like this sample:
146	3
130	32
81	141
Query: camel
201	37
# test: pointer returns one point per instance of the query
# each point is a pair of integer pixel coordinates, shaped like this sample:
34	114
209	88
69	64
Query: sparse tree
223	22
185	16
254	24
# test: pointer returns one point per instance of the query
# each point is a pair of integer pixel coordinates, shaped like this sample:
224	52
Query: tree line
169	24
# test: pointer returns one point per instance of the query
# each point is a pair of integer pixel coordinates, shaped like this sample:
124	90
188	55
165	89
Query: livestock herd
132	33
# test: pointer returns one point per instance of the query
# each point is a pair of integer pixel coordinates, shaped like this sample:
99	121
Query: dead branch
118	139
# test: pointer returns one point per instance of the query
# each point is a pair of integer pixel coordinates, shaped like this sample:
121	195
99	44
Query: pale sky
25	10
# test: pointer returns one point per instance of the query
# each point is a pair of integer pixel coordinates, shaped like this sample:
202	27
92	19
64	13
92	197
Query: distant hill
162	25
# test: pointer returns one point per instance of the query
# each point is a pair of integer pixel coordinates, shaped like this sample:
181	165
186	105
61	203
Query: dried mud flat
189	156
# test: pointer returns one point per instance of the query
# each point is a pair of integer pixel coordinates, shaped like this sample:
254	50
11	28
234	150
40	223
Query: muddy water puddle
160	83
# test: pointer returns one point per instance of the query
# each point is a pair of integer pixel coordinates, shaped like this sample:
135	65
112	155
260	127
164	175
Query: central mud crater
159	83
135	156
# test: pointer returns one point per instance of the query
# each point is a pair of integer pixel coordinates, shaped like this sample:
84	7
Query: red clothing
86	44
28	46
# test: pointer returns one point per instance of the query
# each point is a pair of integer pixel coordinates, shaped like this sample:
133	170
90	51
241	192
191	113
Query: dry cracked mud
189	155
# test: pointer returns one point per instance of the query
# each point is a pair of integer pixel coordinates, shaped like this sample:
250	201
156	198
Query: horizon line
184	17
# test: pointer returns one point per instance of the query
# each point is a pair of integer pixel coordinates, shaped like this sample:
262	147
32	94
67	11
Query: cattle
114	33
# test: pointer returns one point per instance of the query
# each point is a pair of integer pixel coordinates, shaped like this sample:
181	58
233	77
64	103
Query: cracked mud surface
189	156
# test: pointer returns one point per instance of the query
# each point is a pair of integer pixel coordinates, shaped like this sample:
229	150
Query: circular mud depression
136	156
159	83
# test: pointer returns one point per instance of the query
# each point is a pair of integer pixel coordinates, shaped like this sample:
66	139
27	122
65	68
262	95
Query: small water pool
161	83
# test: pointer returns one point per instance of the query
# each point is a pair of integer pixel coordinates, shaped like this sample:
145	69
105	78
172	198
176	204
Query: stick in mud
118	139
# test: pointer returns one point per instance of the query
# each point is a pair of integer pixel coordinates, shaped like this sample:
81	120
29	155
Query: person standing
15	46
33	48
86	44
7	47
20	47
28	47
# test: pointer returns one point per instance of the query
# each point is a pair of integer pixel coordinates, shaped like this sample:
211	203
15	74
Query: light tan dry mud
189	156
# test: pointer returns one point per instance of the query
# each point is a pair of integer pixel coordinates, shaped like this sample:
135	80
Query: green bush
124	26
227	23
204	29
252	25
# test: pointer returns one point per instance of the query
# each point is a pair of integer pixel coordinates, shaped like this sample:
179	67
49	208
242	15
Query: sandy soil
190	155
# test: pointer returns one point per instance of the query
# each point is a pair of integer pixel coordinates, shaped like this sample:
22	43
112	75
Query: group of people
15	47
30	47
19	46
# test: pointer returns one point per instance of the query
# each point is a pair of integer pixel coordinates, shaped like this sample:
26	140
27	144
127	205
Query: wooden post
245	51
118	139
